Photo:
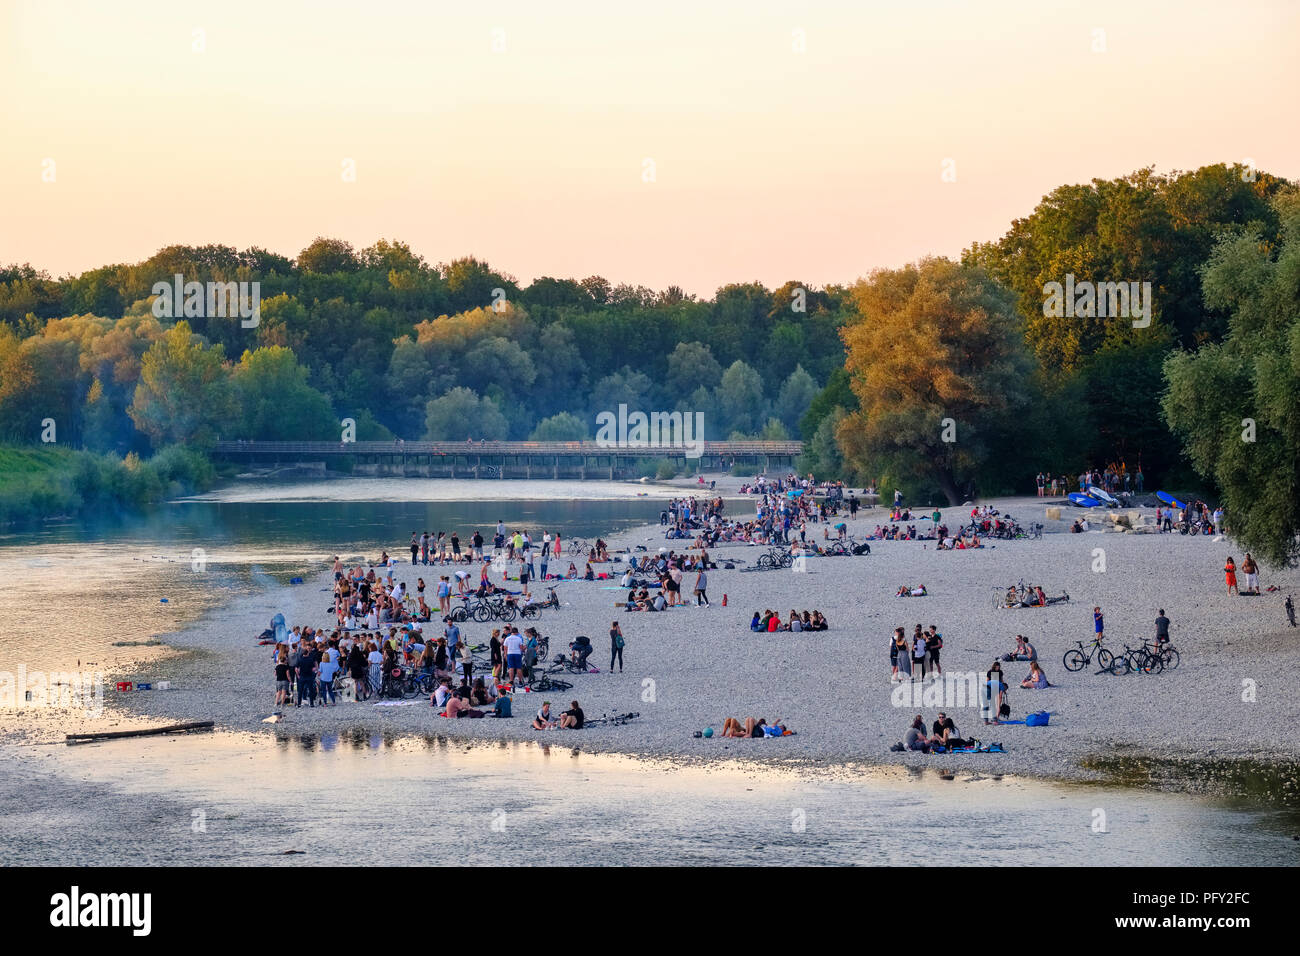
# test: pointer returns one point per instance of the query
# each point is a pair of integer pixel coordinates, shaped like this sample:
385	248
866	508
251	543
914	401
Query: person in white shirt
514	645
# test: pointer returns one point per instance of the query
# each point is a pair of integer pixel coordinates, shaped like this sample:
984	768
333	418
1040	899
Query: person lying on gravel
731	727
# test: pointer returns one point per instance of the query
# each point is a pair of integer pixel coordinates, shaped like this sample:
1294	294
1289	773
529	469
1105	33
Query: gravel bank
689	668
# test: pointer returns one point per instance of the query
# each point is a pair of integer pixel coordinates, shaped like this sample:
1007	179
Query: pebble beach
689	668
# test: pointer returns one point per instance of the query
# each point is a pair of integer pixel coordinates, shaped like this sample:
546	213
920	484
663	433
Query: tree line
945	378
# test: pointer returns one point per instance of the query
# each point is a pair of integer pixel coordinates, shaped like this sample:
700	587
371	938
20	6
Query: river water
89	593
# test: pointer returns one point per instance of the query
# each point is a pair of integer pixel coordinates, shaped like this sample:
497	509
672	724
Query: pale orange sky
770	163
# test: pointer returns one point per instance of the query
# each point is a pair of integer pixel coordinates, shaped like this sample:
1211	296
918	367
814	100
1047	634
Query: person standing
933	645
1162	629
918	652
523	576
415	548
1251	570
1230	575
702	588
1098	624
514	646
616	643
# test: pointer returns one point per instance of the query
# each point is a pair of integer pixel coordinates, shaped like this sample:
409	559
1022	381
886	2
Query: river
91	593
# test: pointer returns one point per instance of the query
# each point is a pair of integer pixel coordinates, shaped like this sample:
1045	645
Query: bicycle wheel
483	613
544	648
787	560
459	615
765	562
530	612
1074	659
1170	658
1121	665
1104	658
410	689
997	601
506	612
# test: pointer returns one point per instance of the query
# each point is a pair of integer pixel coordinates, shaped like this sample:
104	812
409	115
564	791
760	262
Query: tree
327	256
739	398
1236	404
275	403
561	427
794	399
691	365
461	413
938	364
184	390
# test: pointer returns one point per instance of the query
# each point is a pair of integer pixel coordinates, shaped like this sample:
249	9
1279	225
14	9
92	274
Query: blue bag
1037	720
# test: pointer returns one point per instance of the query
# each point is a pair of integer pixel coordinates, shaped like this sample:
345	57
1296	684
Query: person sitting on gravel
543	720
1024	650
755	623
915	738
1036	679
944	733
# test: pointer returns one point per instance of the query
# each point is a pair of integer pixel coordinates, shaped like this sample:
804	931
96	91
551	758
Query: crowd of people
770	621
1114	478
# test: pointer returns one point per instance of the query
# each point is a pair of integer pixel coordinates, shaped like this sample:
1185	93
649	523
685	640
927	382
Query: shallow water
235	799
74	589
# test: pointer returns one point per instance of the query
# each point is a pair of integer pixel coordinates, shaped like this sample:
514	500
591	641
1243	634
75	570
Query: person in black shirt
306	672
573	718
1162	629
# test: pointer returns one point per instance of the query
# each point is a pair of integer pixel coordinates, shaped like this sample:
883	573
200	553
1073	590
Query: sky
668	143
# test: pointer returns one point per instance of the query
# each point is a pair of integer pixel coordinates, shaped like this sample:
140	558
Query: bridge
508	459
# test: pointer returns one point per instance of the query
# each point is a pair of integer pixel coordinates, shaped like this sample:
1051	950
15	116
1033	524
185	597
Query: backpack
618	641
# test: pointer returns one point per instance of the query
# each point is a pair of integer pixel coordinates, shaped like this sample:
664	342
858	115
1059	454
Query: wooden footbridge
509	459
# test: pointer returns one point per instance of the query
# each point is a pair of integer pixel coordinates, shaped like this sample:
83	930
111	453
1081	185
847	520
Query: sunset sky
770	162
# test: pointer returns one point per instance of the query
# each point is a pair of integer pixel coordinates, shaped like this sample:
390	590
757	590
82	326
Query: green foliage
38	483
1236	404
940	370
462	413
560	427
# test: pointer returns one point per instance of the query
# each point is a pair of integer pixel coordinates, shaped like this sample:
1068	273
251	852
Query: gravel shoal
689	668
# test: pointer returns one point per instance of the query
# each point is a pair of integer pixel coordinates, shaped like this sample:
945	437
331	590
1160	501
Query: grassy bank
39	482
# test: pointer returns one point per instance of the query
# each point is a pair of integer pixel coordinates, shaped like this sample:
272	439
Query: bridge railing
562	448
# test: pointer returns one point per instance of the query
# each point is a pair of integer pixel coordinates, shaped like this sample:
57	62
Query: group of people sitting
753	727
770	621
464	701
943	736
571	719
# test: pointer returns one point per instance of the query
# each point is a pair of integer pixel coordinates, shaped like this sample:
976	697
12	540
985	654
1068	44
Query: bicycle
776	558
542	681
533	610
488	608
1010	597
1139	659
618	720
1168	656
1075	658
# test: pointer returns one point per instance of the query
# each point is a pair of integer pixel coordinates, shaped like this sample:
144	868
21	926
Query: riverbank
689	668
